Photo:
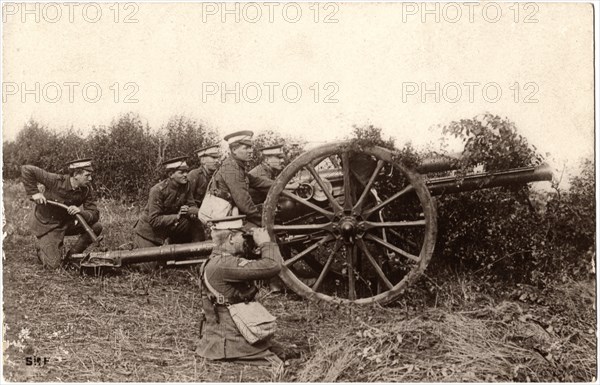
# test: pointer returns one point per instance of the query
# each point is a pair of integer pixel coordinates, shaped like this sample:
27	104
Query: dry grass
131	327
496	344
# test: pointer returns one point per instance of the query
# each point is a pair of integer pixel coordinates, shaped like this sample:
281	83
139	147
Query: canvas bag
252	319
214	207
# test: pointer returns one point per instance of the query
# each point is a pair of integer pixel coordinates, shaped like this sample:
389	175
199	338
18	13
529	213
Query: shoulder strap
219	298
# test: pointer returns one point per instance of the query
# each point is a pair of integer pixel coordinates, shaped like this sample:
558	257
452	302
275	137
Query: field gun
360	228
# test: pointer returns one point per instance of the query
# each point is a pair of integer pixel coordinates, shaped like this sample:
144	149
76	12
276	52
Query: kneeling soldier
50	223
170	212
229	272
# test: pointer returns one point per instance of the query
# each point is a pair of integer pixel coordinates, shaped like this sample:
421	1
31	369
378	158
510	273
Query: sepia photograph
386	192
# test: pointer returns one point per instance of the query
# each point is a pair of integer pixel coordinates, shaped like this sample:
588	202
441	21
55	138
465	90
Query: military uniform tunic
232	182
263	170
159	221
198	179
49	223
233	277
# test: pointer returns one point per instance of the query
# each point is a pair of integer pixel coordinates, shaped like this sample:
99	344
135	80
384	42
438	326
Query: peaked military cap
228	223
273	150
244	137
212	150
176	163
81	164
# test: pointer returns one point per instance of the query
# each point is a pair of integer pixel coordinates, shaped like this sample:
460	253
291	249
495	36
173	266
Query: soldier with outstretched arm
49	223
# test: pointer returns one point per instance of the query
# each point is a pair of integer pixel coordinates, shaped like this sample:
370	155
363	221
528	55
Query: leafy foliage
125	157
493	141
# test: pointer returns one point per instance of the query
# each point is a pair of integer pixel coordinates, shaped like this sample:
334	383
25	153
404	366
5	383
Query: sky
311	70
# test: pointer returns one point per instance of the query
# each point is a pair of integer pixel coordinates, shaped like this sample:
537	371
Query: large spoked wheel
361	226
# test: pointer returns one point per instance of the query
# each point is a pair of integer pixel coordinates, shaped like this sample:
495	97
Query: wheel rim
374	234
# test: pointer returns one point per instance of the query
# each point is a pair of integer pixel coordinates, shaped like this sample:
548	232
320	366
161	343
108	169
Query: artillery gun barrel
517	176
445	162
116	258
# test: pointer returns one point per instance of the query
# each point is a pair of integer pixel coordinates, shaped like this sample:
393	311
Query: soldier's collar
174	185
242	163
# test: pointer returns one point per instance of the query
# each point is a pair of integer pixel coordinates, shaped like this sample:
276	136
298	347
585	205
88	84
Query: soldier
232	181
233	276
270	167
50	223
199	177
170	212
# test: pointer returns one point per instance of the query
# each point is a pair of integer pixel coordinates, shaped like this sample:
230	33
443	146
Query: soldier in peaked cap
170	212
199	177
49	223
232	182
231	274
269	168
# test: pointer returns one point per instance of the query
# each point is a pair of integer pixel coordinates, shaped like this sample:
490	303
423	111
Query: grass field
133	327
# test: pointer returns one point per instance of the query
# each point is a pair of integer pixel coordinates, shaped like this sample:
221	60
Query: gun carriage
361	226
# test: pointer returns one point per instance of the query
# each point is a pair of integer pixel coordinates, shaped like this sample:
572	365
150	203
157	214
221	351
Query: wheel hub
348	229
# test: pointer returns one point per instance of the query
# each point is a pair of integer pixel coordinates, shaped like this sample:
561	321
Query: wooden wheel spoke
295	197
361	200
350	261
334	203
347	187
302	227
376	266
403	238
392	247
327	266
295	258
397	195
371	225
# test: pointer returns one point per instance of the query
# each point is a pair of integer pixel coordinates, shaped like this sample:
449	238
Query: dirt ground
61	326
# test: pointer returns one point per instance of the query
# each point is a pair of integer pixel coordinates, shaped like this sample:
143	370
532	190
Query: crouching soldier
170	213
229	272
50	223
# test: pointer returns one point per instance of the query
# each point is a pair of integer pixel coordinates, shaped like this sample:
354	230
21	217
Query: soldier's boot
276	285
49	251
83	242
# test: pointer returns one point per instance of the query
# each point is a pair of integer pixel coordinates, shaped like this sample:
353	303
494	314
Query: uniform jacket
46	218
233	277
198	179
232	182
159	215
263	170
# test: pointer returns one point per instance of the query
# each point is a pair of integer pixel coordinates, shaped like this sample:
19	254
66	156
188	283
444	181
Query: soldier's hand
260	236
39	198
72	210
183	210
292	186
193	211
